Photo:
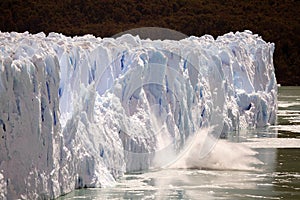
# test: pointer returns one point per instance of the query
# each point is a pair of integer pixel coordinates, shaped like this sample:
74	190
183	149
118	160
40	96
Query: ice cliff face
79	112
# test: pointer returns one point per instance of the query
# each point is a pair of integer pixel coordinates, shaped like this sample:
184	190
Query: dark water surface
277	177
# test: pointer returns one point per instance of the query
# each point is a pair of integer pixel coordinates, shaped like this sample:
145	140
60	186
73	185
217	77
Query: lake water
276	177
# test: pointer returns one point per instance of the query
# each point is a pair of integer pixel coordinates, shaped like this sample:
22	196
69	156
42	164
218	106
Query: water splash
204	151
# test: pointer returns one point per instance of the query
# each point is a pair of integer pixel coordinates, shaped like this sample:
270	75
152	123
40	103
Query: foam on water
273	142
287	104
290	128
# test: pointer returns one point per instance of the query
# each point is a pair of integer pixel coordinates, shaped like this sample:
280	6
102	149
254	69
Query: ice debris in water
79	112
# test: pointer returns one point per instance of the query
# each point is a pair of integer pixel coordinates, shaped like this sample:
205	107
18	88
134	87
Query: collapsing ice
79	112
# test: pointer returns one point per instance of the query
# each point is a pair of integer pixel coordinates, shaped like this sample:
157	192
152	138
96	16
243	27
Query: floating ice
79	112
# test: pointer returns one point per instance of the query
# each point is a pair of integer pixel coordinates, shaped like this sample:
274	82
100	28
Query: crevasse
79	112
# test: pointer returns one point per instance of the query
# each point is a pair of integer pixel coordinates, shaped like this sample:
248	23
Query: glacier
81	111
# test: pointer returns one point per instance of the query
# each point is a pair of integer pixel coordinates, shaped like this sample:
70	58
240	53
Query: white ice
79	112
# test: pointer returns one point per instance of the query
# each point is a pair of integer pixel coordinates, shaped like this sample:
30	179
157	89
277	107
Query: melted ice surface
79	112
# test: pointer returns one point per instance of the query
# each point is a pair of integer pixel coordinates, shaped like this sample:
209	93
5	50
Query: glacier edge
79	112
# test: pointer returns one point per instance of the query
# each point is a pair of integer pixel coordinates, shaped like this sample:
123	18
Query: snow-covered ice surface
79	112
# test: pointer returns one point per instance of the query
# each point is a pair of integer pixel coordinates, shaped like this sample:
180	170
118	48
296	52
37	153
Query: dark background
275	21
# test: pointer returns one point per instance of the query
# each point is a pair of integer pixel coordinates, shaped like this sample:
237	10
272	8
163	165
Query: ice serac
79	112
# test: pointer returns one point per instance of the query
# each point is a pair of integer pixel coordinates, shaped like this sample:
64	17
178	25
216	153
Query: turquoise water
276	177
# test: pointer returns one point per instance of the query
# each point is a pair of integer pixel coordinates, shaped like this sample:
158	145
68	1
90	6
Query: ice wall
79	112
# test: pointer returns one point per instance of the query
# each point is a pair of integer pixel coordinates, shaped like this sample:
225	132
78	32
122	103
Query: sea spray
204	151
